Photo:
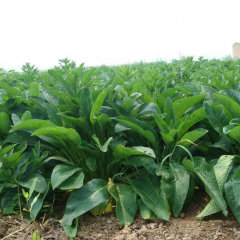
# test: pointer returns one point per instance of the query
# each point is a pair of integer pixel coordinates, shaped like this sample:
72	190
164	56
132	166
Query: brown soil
106	227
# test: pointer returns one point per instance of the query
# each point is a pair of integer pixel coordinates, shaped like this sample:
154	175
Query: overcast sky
112	32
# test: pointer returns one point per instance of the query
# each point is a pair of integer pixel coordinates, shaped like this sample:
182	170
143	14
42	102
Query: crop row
133	137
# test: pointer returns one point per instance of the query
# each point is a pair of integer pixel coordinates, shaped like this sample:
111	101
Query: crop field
125	139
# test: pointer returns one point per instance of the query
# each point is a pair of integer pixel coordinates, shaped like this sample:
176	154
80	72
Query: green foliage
138	137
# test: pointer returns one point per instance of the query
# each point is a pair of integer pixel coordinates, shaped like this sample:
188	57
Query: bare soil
106	227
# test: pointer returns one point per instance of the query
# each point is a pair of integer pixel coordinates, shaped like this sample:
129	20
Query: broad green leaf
192	136
127	103
84	199
164	128
141	161
169	109
146	212
32	188
215	116
71	231
178	188
97	106
148	109
71	122
15	119
168	139
235	134
36	202
140	127
67	177
194	118
207	175
11	91
126	205
58	76
222	169
232	93
26	116
86	104
6	149
224	144
14	158
34	89
86	76
4	123
183	104
31	124
230	104
41	183
53	113
68	134
231	188
121	152
144	188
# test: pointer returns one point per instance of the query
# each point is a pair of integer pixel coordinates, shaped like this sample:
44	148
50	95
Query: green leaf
178	188
31	124
163	126
235	134
86	104
32	187
34	89
125	198
84	199
169	109
71	231
231	188
97	106
5	123
127	103
222	169
36	202
68	134
183	104
71	122
16	119
58	76
207	175
15	157
146	212
140	127
86	76
192	136
232	93
6	149
26	116
25	194
194	118
144	188
148	109
168	139
121	152
41	183
36	235
67	177
103	147
230	104
224	144
141	161
215	116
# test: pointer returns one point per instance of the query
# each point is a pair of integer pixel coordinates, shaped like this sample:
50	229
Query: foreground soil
106	227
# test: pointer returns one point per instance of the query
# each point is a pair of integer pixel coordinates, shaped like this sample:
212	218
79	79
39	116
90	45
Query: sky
112	32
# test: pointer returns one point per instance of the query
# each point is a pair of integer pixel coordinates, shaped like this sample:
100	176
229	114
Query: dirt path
106	227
